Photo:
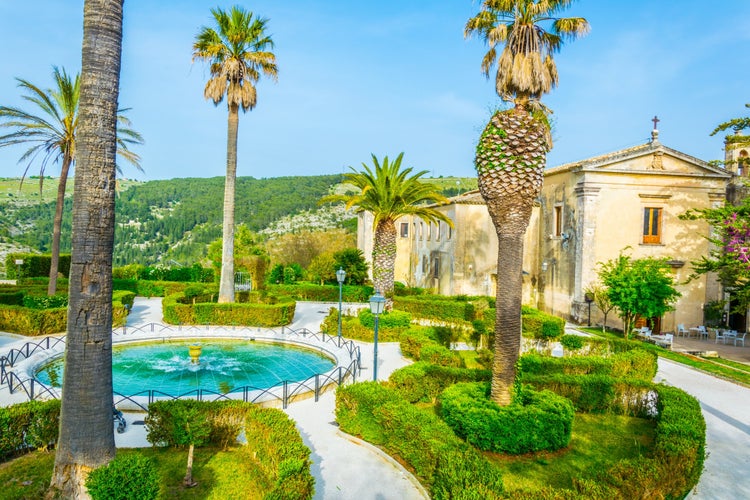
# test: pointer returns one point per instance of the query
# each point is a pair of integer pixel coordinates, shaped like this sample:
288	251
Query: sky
390	76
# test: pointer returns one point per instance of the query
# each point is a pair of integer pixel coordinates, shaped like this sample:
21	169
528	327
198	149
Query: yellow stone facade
588	212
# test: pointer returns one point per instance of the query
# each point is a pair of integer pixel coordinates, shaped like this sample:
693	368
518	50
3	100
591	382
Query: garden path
726	408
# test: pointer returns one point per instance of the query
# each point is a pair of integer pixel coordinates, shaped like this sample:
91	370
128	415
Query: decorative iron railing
283	392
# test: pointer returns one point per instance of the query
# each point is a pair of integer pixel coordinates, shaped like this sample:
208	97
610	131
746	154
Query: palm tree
388	193
511	153
51	133
237	51
86	439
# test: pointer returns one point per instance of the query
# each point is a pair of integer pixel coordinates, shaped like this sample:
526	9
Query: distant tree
353	261
303	246
51	131
729	252
388	192
600	296
638	288
237	50
322	269
287	275
737	138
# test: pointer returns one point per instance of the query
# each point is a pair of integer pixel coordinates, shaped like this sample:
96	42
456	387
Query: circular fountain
178	367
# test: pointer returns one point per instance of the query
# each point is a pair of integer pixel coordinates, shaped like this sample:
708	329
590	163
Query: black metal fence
283	392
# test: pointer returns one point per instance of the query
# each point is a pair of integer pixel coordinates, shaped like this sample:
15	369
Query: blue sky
382	77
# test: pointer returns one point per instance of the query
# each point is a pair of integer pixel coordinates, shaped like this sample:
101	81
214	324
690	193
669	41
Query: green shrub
414	339
323	293
534	421
637	363
436	307
130	477
572	342
145	288
389	319
18	319
439	355
11	298
209	313
27	426
225	420
418	438
534	323
273	440
35	265
423	381
46	301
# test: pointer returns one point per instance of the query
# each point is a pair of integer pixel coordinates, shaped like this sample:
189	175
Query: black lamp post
340	277
377	304
589	299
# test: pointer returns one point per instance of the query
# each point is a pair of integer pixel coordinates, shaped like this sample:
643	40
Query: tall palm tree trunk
510	162
57	225
86	438
226	283
384	256
508	314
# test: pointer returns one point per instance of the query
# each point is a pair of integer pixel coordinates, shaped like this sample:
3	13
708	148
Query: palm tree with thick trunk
51	134
86	431
388	192
237	50
511	154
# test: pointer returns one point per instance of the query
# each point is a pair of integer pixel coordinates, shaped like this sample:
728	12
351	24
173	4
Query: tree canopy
638	288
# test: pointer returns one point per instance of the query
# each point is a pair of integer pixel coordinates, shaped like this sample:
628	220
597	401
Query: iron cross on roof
656	120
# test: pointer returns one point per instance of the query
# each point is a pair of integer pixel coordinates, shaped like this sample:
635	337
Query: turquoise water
224	365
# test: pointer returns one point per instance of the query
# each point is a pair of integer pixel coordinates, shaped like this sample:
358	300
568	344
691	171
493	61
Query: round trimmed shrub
130	477
534	421
572	342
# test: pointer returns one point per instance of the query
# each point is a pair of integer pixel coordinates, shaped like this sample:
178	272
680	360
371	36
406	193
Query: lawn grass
598	441
220	474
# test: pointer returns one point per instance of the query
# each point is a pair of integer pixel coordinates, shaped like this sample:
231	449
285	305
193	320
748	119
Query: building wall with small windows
588	212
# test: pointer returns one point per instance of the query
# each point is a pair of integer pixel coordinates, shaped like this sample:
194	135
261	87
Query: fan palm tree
388	193
86	438
51	134
511	153
237	50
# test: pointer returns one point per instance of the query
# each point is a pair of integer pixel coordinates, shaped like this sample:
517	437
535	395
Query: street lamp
340	277
19	263
377	304
589	299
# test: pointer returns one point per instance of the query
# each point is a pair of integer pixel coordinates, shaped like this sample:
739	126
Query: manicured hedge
129	477
145	288
422	382
210	313
28	426
534	323
389	319
534	421
272	439
35	321
637	363
35	265
420	343
449	467
437	307
323	293
351	328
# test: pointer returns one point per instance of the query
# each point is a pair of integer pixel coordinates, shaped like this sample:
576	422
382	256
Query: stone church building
588	212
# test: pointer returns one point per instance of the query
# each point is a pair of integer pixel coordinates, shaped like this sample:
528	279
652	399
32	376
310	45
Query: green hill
174	220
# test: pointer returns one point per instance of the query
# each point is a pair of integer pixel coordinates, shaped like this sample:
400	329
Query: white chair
702	332
740	338
721	335
682	331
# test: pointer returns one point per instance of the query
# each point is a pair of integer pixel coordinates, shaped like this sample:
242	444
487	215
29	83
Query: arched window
743	163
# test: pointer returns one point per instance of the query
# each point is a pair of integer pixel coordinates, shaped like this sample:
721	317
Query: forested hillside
159	221
172	221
